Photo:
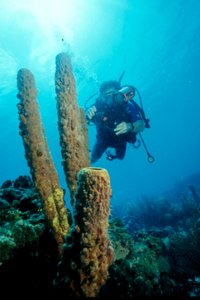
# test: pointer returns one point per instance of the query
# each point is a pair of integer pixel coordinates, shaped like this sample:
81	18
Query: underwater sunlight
91	92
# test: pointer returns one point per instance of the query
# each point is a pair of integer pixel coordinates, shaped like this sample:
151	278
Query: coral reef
151	262
28	250
87	253
71	123
91	207
38	156
184	250
151	251
21	219
121	240
141	266
195	194
158	215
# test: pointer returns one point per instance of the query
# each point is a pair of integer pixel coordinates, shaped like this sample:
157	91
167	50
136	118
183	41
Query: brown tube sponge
72	130
38	156
88	245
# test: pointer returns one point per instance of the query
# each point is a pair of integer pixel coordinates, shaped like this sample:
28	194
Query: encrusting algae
87	252
39	158
71	123
88	244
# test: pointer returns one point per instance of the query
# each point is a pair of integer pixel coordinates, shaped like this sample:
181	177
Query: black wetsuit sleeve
135	111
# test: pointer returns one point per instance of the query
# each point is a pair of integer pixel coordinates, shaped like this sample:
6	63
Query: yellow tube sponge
88	244
39	158
72	130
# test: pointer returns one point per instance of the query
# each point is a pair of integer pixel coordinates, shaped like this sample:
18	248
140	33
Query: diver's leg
98	150
120	149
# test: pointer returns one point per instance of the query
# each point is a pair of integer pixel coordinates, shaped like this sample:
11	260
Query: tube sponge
88	244
39	158
71	123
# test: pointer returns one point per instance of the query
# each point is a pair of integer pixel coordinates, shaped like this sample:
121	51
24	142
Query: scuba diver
118	120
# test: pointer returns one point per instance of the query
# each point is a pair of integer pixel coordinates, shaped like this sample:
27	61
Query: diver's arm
138	126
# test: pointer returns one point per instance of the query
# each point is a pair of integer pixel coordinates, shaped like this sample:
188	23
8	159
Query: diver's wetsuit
106	119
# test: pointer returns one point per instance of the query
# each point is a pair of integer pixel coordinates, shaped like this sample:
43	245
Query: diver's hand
91	112
123	128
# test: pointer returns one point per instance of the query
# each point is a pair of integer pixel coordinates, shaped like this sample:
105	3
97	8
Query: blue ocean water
156	42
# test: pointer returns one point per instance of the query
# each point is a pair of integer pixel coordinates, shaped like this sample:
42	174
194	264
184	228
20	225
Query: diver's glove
91	112
123	128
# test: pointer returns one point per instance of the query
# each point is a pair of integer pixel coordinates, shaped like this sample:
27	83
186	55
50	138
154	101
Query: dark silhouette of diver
118	119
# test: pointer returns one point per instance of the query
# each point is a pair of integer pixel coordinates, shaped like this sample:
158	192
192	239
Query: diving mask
119	97
127	93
